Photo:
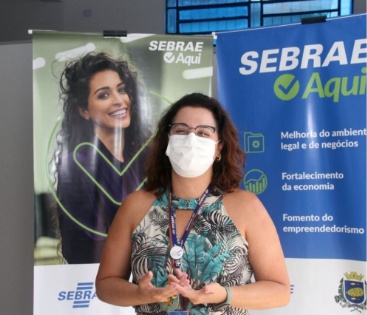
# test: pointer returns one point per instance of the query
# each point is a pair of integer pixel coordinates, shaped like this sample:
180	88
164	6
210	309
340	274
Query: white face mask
190	155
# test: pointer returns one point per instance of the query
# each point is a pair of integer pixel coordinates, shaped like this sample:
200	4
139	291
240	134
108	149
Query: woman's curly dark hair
227	173
74	91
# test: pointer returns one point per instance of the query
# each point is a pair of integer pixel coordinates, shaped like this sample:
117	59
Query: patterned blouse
215	251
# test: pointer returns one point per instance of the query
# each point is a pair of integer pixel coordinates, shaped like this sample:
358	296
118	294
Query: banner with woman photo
297	94
96	101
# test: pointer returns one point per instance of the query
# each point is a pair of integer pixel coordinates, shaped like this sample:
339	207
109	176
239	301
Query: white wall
135	16
16	180
360	6
18	16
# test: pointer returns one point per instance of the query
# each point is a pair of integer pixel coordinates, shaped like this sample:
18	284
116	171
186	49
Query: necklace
176	251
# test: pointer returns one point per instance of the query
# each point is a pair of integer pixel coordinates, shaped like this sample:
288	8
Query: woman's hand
179	283
181	278
212	293
150	292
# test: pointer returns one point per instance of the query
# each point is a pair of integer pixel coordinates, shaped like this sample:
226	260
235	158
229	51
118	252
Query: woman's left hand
180	278
210	293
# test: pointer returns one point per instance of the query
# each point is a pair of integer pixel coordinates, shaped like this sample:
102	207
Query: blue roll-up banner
297	94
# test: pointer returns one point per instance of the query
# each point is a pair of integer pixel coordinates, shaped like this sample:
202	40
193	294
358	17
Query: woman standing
192	239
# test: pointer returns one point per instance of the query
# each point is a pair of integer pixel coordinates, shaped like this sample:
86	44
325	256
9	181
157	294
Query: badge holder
176	251
171	305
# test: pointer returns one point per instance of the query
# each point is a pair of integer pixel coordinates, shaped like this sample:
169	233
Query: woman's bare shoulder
134	207
139	198
242	199
245	208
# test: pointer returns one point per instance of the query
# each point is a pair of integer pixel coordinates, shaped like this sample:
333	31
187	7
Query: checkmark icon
286	87
108	195
169	57
117	171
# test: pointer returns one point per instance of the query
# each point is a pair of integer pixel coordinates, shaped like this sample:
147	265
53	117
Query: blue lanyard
173	231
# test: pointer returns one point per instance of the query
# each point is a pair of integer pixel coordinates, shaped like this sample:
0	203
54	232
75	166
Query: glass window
207	16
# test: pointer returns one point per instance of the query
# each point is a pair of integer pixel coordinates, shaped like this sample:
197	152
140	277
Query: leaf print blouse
215	251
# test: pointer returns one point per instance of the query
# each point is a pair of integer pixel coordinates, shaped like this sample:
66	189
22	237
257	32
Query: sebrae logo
179	52
352	292
81	297
316	56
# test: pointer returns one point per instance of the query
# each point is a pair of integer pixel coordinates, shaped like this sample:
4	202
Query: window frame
250	20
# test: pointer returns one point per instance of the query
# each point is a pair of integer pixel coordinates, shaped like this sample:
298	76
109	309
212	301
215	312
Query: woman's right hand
150	292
